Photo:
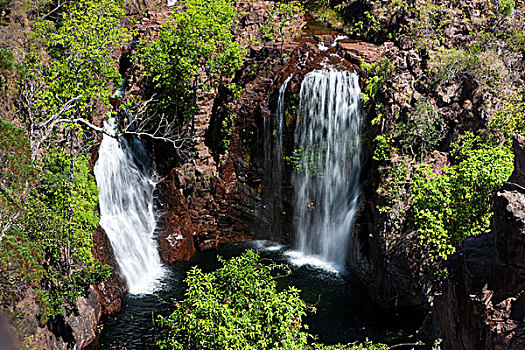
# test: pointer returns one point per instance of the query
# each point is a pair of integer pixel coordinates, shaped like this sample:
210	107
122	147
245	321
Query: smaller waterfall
273	153
327	138
127	212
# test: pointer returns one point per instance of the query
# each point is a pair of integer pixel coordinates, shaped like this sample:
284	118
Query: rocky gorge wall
216	195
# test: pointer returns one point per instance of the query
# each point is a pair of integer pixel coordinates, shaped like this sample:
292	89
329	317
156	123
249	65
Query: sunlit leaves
236	307
457	203
79	63
194	49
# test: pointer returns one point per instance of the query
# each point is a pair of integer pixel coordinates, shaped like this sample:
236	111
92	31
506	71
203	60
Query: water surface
344	311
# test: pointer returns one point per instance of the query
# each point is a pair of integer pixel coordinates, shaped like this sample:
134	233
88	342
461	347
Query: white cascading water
127	212
273	152
327	189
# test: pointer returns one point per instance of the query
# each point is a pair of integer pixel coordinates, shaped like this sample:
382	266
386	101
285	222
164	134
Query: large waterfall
326	182
127	212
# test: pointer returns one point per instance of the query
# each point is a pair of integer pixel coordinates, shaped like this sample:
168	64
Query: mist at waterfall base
344	311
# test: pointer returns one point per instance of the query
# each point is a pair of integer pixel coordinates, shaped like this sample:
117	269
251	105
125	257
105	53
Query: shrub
420	133
510	118
375	73
382	148
457	204
477	62
236	307
505	7
367	345
450	64
279	21
7	59
21	267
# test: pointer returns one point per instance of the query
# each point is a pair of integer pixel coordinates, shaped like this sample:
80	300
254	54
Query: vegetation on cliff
57	74
443	121
194	51
440	141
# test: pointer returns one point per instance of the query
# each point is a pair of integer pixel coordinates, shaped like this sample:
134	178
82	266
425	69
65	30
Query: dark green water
344	312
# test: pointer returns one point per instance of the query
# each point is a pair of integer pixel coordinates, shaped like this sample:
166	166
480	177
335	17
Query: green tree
419	134
76	72
236	307
61	216
510	118
195	49
279	23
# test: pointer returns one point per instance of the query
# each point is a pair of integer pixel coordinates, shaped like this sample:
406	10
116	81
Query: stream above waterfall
344	311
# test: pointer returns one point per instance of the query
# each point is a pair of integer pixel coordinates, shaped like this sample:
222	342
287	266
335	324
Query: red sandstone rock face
109	291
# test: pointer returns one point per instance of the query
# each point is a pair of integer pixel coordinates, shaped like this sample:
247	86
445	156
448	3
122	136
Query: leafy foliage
367	27
227	129
16	172
68	194
61	216
279	21
48	247
309	159
21	267
48	197
367	345
7	64
483	65
450	64
382	148
505	7
510	118
420	133
457	203
194	49
75	67
376	73
236	307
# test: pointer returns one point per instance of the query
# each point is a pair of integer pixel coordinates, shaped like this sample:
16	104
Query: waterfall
126	210
326	182
273	165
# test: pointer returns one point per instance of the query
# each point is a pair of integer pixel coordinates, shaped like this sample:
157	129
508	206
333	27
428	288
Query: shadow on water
344	311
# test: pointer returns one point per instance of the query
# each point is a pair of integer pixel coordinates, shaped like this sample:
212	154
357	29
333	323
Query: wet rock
356	52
